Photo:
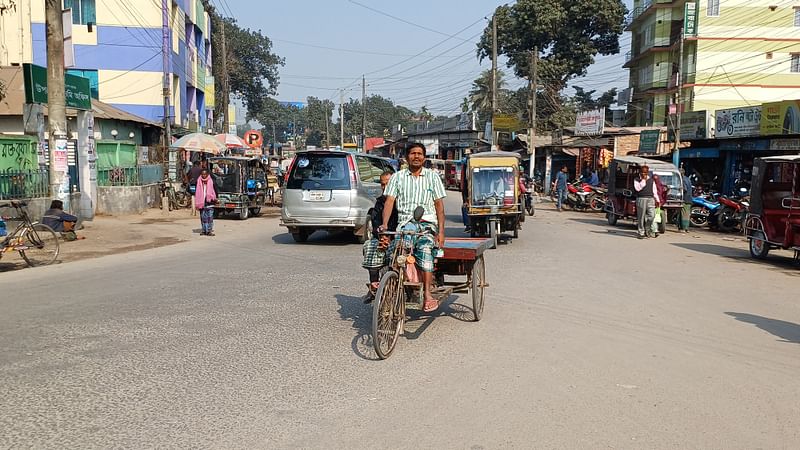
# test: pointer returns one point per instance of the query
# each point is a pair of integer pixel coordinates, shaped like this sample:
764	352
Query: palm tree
481	93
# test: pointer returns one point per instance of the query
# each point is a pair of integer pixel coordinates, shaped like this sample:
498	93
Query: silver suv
331	190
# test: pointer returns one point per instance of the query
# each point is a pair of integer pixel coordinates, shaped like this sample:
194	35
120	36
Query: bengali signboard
649	140
506	122
737	122
785	144
780	118
77	91
590	123
690	19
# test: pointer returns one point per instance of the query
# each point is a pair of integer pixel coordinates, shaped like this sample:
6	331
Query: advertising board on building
785	144
506	122
737	122
694	125
649	140
780	118
590	123
690	18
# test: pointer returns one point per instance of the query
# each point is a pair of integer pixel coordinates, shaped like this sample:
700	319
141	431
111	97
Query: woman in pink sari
204	199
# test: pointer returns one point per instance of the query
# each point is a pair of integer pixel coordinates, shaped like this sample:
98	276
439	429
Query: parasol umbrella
231	140
199	142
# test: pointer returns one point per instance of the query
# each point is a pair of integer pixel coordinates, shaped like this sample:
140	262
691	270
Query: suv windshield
319	171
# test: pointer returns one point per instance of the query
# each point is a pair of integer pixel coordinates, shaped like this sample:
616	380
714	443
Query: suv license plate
316	196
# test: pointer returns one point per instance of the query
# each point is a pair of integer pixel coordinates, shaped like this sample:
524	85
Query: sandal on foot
427	306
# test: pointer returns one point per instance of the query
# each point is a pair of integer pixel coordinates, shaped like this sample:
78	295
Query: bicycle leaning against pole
36	242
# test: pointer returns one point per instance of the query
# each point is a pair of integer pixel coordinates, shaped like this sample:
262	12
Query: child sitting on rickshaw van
375	248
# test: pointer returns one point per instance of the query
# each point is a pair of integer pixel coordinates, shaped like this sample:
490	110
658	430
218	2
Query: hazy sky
329	44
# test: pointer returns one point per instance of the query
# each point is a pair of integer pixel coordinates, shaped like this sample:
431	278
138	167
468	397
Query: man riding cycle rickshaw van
241	183
774	218
621	204
492	194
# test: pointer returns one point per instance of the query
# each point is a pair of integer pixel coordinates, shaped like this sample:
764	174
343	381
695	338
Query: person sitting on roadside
58	220
375	249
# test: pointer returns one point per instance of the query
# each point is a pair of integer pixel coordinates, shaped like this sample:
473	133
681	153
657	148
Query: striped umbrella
199	142
231	140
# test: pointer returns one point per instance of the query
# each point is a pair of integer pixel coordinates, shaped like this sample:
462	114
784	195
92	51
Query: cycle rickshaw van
621	202
493	195
774	218
241	184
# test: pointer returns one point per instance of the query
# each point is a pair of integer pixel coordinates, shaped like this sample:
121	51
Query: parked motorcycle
703	211
731	214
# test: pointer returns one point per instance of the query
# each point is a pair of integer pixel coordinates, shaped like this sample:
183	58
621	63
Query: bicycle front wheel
388	314
41	245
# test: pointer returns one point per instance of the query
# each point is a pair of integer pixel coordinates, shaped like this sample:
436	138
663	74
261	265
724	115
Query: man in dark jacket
375	248
58	220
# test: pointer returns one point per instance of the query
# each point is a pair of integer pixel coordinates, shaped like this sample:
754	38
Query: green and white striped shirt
410	191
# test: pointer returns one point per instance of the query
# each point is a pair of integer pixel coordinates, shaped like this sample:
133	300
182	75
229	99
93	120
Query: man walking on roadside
561	187
686	211
645	202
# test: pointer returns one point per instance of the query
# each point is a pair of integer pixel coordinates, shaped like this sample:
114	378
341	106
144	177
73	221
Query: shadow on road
777	262
787	331
318	238
353	309
597	221
617	232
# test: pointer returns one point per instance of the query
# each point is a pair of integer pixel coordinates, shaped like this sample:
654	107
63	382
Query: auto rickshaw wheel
477	283
759	248
255	212
244	213
612	218
388	314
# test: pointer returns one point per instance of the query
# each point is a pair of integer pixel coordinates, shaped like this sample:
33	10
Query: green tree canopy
568	34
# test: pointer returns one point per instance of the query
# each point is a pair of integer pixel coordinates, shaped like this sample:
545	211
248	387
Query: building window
795	63
797	16
83	11
713	8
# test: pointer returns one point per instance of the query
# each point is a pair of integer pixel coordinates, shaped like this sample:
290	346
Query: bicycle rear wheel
42	245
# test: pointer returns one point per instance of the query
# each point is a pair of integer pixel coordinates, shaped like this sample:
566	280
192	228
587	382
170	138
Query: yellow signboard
506	122
780	118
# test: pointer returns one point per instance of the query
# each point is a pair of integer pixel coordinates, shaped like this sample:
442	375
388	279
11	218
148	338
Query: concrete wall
120	200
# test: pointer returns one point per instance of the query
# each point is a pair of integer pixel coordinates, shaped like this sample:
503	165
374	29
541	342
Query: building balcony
636	13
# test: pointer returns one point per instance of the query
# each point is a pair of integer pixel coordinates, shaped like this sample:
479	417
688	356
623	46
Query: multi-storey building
118	45
744	52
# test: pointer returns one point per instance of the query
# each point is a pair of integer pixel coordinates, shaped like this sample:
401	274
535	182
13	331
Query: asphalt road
590	339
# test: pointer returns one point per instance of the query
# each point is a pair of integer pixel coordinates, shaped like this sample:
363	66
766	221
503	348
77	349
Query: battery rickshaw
241	184
491	180
774	218
621	203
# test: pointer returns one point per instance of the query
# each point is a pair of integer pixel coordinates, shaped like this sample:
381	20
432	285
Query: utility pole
327	129
56	100
166	48
676	153
534	84
341	118
225	94
494	75
364	116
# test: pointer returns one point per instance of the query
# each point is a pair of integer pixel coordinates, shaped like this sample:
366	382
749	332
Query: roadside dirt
109	235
